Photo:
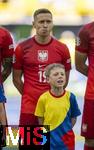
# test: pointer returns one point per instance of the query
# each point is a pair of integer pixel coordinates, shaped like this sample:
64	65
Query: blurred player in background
31	57
84	60
6	53
68	37
58	109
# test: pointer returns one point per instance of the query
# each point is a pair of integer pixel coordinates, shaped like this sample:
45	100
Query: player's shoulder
4	31
58	42
24	40
87	27
25	43
59	45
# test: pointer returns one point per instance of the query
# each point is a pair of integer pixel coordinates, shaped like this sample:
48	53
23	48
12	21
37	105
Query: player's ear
33	24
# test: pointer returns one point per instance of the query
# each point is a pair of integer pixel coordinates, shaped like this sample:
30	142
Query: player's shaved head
40	11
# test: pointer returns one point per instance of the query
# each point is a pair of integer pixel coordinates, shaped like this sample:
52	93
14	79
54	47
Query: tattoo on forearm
6	64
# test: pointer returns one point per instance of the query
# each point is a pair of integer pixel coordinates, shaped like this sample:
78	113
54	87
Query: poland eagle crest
42	55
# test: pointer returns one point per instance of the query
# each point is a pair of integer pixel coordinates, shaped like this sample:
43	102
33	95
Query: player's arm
6	53
67	63
7	65
2	114
17	69
17	80
73	121
80	62
3	123
67	78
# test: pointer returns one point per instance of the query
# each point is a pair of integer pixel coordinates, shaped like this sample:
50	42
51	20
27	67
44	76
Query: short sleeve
75	111
18	58
82	41
66	58
7	46
40	108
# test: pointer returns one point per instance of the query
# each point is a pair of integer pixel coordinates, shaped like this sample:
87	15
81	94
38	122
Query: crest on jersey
84	127
42	55
11	46
78	41
14	58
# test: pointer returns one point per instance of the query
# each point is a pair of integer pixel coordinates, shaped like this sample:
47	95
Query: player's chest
41	55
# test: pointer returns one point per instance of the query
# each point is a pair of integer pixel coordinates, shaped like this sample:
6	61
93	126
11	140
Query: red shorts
28	119
87	128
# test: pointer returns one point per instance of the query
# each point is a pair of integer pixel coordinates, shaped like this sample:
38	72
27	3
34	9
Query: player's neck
57	91
42	39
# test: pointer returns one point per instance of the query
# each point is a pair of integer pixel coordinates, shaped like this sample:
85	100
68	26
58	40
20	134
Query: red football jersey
6	46
85	44
32	57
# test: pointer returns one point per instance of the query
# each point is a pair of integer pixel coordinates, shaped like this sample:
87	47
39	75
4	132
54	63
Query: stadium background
69	16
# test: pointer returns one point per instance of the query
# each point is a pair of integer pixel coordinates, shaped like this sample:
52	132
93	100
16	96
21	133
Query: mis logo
27	137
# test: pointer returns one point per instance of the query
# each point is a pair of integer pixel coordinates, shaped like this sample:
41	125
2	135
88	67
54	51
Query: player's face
57	77
43	24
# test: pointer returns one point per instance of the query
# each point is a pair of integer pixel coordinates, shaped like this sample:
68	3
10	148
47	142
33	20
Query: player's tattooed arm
80	62
67	78
3	119
7	65
17	80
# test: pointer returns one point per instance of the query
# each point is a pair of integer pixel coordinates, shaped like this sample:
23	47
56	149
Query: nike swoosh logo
40	66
